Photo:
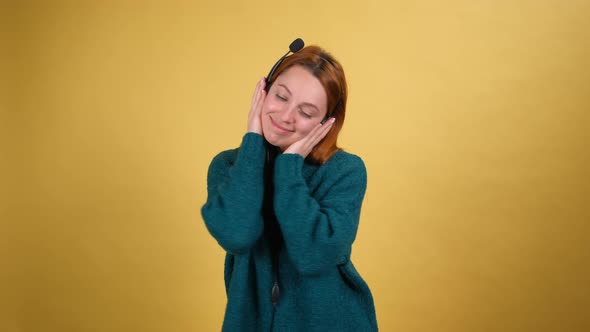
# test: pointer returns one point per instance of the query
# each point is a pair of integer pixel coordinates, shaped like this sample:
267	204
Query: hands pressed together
303	146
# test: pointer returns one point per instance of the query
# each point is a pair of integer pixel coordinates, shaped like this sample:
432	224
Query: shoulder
342	177
223	162
341	169
342	161
226	157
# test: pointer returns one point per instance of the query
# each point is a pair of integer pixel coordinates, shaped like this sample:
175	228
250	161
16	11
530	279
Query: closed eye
281	97
307	115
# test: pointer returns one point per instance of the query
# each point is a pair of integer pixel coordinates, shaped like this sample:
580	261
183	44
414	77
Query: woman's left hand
304	146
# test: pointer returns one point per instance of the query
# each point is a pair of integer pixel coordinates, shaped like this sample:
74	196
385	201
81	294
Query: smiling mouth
278	126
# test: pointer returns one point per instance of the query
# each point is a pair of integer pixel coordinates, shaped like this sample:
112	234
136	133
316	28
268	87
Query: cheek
306	127
269	106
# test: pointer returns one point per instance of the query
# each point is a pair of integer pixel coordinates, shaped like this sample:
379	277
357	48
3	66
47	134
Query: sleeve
235	190
318	232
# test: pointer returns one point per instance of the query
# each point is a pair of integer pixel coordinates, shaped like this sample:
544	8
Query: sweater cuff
252	146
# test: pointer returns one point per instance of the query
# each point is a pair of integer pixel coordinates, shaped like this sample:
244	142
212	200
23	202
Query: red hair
331	75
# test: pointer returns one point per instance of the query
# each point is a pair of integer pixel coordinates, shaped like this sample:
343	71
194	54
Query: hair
329	72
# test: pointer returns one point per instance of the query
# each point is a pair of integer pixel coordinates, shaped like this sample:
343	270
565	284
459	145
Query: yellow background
471	116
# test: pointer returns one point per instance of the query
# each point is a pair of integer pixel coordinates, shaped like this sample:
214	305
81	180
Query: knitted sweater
288	239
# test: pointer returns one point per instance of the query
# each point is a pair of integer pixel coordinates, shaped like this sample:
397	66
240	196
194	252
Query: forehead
303	86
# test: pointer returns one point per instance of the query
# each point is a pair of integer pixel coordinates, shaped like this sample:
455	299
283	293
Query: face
295	104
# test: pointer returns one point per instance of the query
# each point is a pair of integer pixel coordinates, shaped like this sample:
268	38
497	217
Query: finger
261	92
255	94
260	101
256	102
257	91
323	131
316	135
320	131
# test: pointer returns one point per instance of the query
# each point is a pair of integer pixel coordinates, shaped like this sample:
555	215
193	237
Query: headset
295	47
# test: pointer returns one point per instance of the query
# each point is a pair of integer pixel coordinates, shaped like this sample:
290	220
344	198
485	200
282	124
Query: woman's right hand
254	117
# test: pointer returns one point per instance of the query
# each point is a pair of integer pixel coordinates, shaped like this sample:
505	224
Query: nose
287	115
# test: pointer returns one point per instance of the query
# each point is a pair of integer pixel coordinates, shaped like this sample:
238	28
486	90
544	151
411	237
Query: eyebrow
302	104
284	86
311	105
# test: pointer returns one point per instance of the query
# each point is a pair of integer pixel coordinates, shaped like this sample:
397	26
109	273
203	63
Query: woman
285	206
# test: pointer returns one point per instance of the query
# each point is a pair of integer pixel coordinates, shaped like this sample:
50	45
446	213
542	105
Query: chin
276	142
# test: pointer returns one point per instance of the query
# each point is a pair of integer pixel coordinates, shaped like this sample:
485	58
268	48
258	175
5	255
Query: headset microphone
295	46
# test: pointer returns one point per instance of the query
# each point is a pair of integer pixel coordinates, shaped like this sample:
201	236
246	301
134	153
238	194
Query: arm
235	188
318	232
235	191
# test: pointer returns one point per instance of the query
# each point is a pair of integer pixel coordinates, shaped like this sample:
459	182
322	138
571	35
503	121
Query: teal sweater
288	238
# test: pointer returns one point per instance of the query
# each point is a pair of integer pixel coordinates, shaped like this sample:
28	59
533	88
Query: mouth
278	127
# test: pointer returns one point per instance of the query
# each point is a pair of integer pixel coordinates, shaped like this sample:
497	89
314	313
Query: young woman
285	206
